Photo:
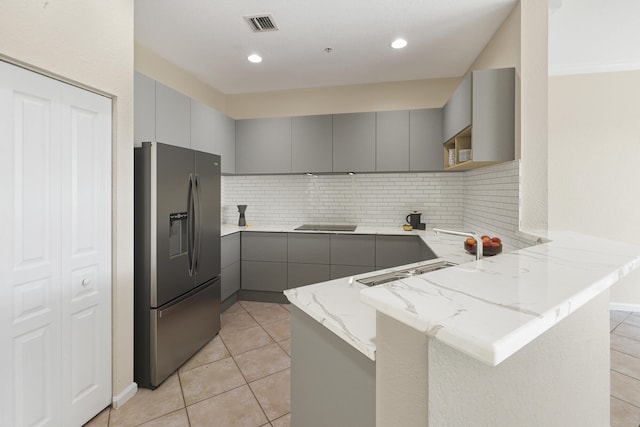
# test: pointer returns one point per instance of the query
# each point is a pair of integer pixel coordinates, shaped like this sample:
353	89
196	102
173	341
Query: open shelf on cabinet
458	153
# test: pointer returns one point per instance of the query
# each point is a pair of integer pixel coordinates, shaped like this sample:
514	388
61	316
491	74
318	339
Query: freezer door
208	189
174	167
181	328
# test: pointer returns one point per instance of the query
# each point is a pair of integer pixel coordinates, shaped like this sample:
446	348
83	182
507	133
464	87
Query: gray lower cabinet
332	383
354	142
353	249
264	264
263	146
392	141
425	139
312	144
264	276
263	246
392	251
230	283
308	257
230	262
173	120
338	271
306	274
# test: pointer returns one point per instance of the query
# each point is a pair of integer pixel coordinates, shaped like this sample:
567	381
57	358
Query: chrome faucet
466	234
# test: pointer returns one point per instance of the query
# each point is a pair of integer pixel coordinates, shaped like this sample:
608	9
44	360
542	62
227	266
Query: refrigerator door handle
197	231
190	225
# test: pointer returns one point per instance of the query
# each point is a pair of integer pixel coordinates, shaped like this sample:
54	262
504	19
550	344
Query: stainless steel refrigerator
177	257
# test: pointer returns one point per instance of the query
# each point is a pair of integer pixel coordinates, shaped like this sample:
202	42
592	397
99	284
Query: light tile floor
242	377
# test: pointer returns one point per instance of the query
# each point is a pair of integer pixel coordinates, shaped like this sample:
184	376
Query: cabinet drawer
264	276
338	271
307	274
308	248
230	246
353	250
259	246
397	250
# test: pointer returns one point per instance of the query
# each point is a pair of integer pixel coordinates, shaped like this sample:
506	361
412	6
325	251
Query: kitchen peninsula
516	339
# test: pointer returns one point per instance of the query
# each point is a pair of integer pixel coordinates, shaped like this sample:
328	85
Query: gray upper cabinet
425	140
312	143
457	111
493	133
214	132
144	127
173	123
392	141
354	142
263	146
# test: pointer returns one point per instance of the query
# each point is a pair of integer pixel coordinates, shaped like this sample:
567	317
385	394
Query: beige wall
90	43
594	147
430	93
153	65
502	51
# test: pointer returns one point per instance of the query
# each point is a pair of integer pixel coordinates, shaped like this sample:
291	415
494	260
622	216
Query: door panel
30	142
174	165
86	254
55	255
208	178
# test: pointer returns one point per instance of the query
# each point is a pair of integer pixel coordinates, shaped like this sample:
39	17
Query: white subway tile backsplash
485	200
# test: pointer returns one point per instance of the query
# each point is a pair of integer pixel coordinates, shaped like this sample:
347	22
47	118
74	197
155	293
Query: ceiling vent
261	23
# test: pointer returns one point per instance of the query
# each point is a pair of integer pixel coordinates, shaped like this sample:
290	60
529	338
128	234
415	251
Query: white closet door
85	254
44	308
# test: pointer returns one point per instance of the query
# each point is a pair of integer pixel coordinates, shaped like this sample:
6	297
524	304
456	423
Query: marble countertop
487	309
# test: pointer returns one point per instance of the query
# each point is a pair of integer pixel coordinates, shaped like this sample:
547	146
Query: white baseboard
624	307
124	395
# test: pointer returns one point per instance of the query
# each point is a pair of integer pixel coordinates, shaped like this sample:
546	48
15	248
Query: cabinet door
172	117
425	139
215	133
457	110
230	281
493	134
259	246
356	249
308	248
354	142
392	251
392	141
144	109
312	143
263	146
230	245
264	276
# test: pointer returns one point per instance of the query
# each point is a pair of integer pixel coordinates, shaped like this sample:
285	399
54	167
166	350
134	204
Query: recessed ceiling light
399	43
256	59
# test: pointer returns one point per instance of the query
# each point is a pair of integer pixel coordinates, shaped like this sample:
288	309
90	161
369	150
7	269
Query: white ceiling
591	36
211	40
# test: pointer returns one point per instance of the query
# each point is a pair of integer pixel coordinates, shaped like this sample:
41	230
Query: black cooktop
327	227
